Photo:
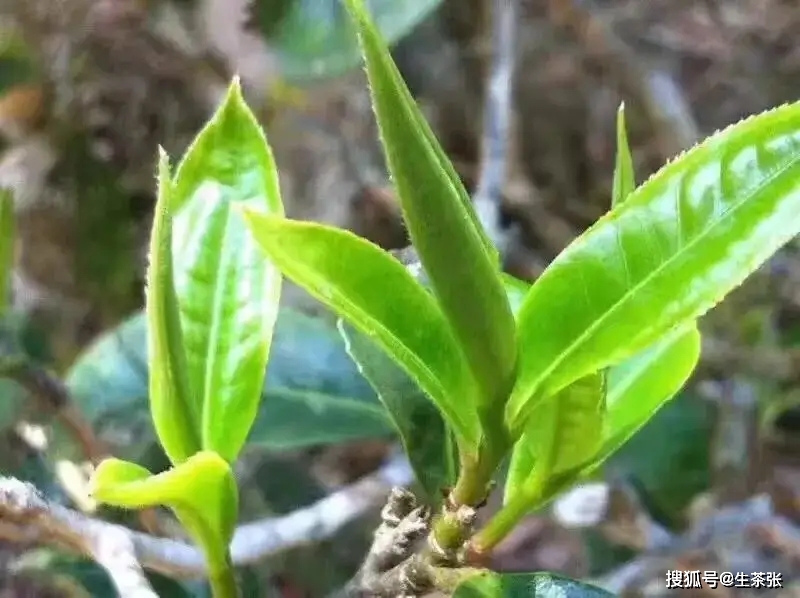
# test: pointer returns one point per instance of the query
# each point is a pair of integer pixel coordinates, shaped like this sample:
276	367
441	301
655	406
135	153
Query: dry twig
27	516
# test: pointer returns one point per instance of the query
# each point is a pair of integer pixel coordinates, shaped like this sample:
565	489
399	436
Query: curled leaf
228	294
201	491
175	411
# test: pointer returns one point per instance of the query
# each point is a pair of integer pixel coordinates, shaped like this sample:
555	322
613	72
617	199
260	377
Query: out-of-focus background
90	88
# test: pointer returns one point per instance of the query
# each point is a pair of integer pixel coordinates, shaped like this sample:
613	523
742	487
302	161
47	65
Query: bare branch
497	116
27	516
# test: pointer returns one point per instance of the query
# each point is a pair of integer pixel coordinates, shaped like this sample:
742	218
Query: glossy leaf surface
177	414
527	585
641	385
624	174
564	432
7	239
458	258
228	292
201	491
675	248
313	394
425	437
375	293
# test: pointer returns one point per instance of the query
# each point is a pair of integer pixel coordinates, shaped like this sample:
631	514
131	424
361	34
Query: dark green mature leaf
12	402
315	38
668	461
675	248
564	432
527	585
375	293
424	434
77	577
176	413
313	392
201	491
7	238
458	258
624	174
228	293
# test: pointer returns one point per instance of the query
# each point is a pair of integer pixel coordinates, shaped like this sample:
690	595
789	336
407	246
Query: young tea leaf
374	292
676	246
526	585
7	238
624	175
426	439
201	491
228	294
175	411
564	432
641	385
458	258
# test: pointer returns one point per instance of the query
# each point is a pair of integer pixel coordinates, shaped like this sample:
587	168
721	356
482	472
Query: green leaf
7	238
176	414
640	386
516	290
674	249
526	585
315	39
313	393
201	491
624	175
228	293
424	434
458	258
375	293
564	432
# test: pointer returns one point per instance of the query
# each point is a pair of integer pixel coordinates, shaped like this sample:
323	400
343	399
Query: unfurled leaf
176	412
374	292
564	432
455	251
526	585
313	394
315	39
426	439
676	246
228	293
201	491
7	239
624	175
641	385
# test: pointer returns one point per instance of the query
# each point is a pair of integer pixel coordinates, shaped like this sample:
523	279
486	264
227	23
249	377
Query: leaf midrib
214	331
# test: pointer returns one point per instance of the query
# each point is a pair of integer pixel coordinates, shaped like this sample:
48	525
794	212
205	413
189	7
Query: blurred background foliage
89	88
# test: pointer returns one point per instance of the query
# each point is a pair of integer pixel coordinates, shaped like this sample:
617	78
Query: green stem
499	526
223	581
507	518
453	526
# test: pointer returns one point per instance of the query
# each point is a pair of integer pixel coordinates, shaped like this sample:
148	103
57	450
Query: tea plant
556	375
